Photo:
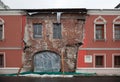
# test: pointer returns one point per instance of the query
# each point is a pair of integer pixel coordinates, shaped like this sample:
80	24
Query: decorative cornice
100	17
103	12
115	20
12	12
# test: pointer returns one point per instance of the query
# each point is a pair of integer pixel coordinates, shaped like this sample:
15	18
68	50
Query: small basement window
117	61
99	61
1	60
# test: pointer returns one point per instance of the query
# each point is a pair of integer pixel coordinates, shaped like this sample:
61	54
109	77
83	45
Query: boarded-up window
37	27
99	61
1	60
117	32
117	61
1	32
57	31
99	32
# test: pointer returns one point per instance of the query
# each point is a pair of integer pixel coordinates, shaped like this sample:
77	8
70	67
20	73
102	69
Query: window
117	31
99	28
57	31
99	61
1	60
117	61
37	27
99	32
116	28
1	29
1	32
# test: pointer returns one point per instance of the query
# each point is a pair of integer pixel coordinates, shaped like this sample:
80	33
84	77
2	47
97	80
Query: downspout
58	16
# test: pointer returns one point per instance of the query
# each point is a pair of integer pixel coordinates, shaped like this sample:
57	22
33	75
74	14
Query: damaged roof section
57	30
59	12
35	11
82	10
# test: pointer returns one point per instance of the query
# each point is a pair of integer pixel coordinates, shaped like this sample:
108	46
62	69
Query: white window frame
113	55
4	65
2	23
115	23
99	54
100	23
88	60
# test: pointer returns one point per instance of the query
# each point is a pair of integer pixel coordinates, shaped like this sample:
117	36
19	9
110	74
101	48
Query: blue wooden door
46	62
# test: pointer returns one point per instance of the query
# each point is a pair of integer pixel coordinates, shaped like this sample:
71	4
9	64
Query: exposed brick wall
72	36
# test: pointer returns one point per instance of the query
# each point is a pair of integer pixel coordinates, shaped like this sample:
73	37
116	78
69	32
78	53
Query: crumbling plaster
72	37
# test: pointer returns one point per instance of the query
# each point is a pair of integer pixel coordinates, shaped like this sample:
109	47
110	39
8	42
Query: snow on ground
46	75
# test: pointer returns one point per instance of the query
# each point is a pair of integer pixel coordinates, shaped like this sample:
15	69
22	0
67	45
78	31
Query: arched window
1	29
116	28
100	28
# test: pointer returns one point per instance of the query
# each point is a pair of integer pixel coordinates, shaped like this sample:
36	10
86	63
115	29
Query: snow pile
46	75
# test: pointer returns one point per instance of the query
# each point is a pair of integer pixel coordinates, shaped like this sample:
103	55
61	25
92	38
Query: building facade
12	23
100	52
60	40
52	38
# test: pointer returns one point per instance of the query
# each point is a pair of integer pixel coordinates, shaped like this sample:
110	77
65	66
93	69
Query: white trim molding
11	48
10	70
115	22
12	12
99	71
2	23
103	12
103	22
99	48
99	54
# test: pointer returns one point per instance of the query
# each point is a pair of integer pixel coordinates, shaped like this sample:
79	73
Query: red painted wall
13	32
13	58
89	33
108	54
89	42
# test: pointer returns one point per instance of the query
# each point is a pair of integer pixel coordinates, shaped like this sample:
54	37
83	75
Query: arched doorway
46	62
